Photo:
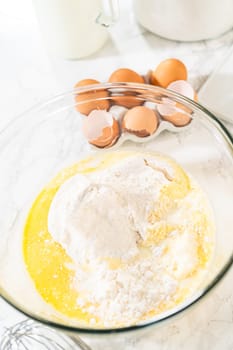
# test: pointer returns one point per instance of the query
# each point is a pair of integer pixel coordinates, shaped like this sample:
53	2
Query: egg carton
118	113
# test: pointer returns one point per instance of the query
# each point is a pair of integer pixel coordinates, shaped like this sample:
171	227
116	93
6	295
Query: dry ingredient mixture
132	235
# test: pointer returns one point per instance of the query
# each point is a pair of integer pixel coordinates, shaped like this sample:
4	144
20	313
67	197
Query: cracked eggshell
101	129
86	108
184	88
174	115
140	121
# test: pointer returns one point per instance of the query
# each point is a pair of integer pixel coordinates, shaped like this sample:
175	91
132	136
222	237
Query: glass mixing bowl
48	138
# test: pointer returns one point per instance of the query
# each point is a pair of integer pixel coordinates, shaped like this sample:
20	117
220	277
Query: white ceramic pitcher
75	28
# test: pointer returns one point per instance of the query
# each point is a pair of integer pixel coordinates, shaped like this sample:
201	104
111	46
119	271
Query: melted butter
46	261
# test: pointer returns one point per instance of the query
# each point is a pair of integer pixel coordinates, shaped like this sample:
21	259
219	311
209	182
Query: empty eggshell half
97	98
171	113
101	128
140	121
184	88
178	119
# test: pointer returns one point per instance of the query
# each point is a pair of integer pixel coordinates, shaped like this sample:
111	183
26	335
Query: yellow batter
47	263
50	267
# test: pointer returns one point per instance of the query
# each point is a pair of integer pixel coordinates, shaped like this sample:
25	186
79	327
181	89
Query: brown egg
168	71
174	115
101	129
141	121
127	76
126	101
87	107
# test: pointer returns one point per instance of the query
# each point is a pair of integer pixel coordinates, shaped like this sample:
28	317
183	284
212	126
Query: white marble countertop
29	75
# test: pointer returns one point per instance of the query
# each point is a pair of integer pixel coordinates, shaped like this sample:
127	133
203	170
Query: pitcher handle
110	13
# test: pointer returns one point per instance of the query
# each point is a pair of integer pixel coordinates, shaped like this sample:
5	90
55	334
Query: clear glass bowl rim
195	106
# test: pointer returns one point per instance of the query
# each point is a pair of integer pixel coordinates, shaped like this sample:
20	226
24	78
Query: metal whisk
30	335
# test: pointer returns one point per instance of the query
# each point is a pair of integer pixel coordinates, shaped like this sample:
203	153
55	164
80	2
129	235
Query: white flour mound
124	295
103	214
101	217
